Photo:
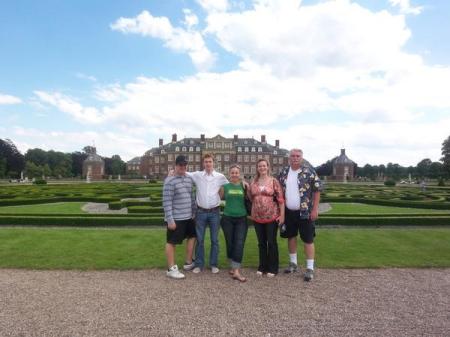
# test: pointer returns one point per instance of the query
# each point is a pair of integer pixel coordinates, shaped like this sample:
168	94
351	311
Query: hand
171	173
314	214
280	220
246	185
172	226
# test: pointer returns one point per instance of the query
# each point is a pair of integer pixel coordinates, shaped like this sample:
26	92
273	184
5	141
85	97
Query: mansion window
246	158
253	169
197	149
183	149
197	157
239	158
253	158
246	169
170	157
253	149
239	149
163	159
218	145
191	149
275	152
177	149
191	157
280	160
226	157
246	149
157	160
259	149
219	157
210	145
267	157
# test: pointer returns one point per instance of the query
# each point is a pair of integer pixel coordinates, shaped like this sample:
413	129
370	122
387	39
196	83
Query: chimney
277	143
235	138
342	152
174	138
160	142
263	139
202	137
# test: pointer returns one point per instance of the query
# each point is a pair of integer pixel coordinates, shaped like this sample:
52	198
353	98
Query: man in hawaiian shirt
301	186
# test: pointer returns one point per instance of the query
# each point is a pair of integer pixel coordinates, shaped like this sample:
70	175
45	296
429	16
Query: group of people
288	203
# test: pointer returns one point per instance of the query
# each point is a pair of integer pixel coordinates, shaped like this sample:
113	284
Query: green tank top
234	200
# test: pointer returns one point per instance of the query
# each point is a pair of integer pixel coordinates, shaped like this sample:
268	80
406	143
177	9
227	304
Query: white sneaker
189	266
214	270
196	270
173	272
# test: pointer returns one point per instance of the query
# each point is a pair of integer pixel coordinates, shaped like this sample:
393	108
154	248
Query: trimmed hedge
134	220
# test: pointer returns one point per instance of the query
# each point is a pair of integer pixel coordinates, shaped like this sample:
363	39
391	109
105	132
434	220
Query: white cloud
71	107
214	5
86	77
8	99
297	40
108	143
405	7
175	38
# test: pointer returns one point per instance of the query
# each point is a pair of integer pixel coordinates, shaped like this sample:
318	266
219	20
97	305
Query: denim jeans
268	247
235	232
203	219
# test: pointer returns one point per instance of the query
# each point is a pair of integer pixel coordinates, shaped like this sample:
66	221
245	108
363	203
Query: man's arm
168	193
315	209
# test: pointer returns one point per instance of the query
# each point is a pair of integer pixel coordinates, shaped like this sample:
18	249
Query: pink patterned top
264	209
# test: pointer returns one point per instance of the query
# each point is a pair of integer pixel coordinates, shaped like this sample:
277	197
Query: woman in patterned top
234	221
267	214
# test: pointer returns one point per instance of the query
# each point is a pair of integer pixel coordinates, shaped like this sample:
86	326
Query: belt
214	209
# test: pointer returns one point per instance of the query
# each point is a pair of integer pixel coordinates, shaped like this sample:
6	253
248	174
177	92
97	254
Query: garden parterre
150	212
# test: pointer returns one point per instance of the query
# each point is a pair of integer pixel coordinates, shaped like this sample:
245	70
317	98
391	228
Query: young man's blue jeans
204	218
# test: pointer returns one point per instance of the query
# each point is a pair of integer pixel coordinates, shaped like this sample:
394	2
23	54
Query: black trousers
268	247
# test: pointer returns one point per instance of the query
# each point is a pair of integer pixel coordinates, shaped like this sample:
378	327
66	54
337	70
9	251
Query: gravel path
361	302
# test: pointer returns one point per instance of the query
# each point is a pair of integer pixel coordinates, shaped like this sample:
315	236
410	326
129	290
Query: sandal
240	278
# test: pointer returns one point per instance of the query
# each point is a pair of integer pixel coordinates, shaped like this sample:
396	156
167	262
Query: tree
118	166
436	170
325	169
60	163
77	159
446	156
423	168
2	167
37	156
15	162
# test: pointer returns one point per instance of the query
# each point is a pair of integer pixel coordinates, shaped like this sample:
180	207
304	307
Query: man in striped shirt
179	210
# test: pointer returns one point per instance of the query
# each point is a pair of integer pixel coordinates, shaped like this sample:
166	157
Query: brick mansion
156	162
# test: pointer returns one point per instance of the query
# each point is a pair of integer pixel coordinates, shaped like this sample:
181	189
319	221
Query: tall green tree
423	168
446	156
77	159
15	161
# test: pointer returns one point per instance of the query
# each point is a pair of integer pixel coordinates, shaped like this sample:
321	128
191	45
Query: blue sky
370	76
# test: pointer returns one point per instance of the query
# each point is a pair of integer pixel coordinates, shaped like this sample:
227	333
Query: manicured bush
389	183
40	182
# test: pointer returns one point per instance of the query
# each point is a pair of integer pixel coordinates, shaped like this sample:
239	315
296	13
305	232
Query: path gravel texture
354	302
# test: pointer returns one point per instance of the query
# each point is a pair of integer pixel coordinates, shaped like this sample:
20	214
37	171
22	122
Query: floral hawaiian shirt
308	183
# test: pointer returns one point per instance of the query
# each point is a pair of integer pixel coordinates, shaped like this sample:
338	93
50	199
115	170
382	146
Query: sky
372	77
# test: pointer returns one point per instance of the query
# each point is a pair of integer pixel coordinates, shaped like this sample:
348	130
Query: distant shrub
152	181
389	183
40	182
441	182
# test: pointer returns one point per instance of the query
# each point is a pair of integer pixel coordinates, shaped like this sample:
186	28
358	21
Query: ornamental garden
140	204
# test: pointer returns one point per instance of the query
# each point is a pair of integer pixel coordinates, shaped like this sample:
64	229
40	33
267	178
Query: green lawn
357	208
77	248
53	208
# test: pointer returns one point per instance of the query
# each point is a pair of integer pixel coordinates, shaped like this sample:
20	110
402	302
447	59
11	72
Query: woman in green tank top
234	221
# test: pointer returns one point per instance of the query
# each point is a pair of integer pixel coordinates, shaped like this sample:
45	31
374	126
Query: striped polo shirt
178	198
